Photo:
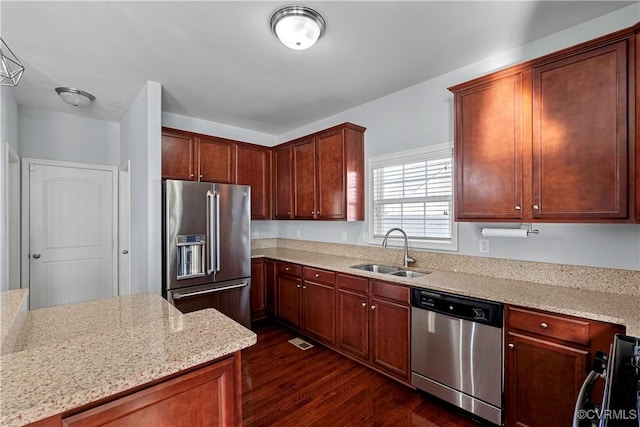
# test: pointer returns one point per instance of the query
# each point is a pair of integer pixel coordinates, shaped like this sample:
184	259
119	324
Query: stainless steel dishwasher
456	351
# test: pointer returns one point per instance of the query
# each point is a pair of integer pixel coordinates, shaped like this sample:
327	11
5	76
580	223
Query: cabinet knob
297	286
288	213
543	325
191	175
364	304
317	212
317	275
200	176
286	269
304	286
536	207
518	207
511	346
373	307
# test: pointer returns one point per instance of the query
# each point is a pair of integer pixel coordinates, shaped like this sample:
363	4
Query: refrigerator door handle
210	251
217	257
177	295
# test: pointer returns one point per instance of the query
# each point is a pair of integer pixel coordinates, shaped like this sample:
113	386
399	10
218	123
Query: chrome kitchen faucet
407	259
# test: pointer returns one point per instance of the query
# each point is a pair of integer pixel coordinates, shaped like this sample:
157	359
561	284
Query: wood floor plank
283	385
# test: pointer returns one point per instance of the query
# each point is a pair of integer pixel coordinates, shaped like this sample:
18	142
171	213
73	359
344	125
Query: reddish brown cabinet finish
216	159
257	295
489	144
282	182
325	176
178	154
304	179
289	306
374	324
270	281
553	139
207	396
580	142
318	304
253	167
547	358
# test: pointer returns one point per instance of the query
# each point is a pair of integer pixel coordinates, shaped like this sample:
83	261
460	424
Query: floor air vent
301	344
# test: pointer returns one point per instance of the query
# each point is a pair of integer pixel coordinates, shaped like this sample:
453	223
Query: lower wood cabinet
258	288
270	279
208	396
547	358
374	323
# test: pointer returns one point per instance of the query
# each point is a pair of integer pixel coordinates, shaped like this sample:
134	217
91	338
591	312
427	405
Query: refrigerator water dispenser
191	253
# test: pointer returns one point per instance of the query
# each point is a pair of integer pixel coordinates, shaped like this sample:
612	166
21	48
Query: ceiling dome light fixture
75	97
297	27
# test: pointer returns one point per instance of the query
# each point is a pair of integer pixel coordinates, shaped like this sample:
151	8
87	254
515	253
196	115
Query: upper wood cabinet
328	174
552	140
194	157
178	154
216	159
253	167
282	183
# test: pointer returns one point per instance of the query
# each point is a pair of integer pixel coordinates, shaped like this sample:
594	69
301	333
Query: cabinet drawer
391	291
549	325
355	283
318	275
289	268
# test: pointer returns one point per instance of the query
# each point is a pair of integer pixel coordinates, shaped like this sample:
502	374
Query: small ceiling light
75	97
11	69
297	27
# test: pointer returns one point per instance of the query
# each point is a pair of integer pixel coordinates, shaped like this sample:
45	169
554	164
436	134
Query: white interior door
123	231
71	234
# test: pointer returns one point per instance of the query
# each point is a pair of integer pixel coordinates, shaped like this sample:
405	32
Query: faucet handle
409	259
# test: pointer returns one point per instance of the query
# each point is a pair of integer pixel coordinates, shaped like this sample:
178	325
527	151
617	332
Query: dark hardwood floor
285	386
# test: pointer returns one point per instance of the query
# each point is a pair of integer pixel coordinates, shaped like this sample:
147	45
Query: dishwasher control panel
476	310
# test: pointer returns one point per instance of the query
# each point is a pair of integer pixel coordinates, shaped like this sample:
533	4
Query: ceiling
220	62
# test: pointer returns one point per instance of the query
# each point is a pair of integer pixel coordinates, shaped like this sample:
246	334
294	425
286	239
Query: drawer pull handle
543	325
511	346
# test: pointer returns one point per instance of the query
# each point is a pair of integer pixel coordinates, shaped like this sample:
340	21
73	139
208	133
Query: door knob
35	256
124	252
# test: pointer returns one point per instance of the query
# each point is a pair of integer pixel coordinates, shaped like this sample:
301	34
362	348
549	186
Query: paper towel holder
508	232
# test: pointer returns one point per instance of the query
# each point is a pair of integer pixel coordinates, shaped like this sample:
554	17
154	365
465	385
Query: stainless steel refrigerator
207	247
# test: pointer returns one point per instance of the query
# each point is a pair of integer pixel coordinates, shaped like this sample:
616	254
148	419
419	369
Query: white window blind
413	190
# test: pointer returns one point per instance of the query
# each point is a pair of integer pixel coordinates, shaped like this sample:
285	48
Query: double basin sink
385	269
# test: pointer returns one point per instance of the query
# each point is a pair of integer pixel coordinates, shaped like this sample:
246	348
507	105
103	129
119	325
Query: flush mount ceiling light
297	27
11	68
75	97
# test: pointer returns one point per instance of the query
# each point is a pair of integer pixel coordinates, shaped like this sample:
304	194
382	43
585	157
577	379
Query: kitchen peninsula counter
69	356
616	308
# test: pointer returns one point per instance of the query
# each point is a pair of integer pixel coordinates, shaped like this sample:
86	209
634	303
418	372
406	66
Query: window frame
411	156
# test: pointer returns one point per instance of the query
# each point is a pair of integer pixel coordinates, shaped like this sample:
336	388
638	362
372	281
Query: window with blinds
414	191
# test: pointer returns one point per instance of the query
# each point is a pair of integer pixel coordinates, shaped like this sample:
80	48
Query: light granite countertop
608	307
71	355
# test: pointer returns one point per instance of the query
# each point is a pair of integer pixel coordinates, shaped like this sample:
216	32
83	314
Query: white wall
8	141
65	137
140	139
423	115
205	127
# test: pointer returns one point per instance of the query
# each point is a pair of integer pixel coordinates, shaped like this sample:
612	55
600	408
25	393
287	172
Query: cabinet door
177	155
330	176
257	289
390	326
542	381
289	299
319	311
283	190
353	323
216	160
304	180
270	286
488	150
253	167
205	397
580	147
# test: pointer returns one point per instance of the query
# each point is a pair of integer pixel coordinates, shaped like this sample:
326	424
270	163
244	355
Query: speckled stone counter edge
13	309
